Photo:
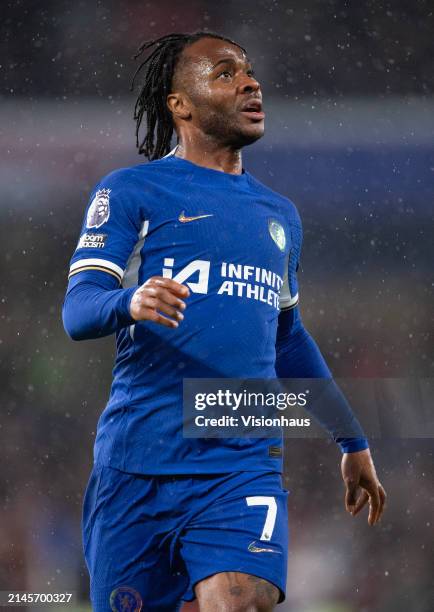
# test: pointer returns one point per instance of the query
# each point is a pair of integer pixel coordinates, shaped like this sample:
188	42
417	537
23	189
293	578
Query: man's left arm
298	356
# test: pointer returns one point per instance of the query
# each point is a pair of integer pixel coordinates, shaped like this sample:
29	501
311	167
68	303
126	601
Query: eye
225	74
251	72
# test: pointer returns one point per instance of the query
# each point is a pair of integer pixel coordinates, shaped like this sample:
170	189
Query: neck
203	151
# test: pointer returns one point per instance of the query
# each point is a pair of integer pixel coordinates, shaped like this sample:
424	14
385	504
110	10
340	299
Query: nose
249	84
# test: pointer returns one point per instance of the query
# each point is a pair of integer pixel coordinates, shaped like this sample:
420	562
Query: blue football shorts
149	539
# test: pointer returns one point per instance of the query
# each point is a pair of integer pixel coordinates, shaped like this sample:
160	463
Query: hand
362	484
158	295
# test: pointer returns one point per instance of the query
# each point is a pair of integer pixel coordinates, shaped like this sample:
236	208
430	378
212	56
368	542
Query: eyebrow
229	60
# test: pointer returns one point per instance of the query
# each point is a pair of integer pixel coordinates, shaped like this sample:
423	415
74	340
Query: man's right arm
113	233
94	308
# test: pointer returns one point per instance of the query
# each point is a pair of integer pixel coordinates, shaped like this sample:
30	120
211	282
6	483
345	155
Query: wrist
125	316
352	445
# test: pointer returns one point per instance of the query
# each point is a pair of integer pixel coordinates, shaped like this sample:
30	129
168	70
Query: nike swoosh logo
256	549
185	219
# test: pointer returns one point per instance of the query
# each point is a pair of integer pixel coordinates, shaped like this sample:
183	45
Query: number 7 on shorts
270	519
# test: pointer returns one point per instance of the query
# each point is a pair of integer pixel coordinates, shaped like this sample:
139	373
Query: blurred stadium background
348	90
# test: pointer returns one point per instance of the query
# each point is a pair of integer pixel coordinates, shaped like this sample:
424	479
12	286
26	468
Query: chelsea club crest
277	233
125	599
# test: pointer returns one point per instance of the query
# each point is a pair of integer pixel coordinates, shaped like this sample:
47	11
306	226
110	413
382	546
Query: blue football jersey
236	244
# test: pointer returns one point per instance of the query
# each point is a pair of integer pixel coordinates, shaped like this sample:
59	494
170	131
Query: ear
178	105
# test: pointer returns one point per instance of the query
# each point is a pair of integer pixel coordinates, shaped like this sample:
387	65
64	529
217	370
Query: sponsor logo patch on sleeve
92	241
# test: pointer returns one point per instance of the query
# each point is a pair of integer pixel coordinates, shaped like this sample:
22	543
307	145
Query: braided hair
157	83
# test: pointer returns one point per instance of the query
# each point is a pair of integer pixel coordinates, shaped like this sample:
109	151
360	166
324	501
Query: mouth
254	115
253	110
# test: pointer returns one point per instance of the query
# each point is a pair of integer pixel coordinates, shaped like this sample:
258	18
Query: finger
144	302
383	497
148	304
164	295
361	502
169	310
149	299
171	285
156	317
351	494
374	502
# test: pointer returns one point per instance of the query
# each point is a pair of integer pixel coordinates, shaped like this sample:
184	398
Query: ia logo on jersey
277	233
199	266
99	210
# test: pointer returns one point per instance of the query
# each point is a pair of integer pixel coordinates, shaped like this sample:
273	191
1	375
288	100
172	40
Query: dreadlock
157	83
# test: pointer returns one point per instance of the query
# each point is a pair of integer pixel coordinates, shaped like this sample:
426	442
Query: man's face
224	97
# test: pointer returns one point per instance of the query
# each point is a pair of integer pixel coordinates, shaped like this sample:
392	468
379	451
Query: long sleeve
298	356
94	308
107	255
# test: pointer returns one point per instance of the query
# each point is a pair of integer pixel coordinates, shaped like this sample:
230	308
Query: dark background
348	92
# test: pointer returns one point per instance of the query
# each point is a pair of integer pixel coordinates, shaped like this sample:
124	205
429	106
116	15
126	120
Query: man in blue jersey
192	263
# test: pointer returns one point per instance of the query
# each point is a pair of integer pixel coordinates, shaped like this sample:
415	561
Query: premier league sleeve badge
99	210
